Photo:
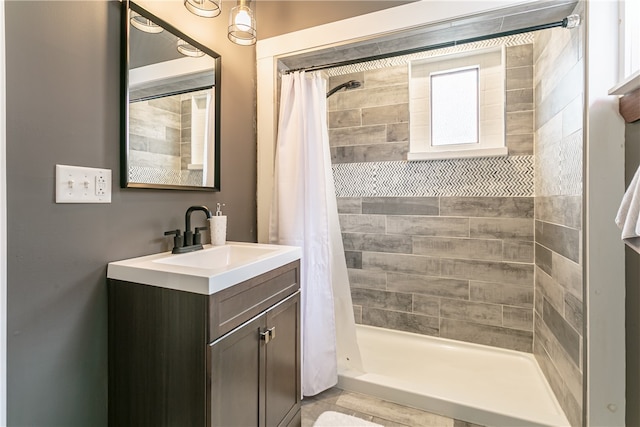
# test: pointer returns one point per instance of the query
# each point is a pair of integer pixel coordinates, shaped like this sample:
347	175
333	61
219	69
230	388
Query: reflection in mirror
171	108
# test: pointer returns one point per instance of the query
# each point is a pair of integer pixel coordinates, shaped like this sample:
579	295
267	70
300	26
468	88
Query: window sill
628	85
458	154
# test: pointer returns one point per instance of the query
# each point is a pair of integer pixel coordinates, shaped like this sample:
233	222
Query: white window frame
491	125
629	38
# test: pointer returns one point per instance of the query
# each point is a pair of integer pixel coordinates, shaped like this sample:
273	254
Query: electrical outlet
101	185
75	184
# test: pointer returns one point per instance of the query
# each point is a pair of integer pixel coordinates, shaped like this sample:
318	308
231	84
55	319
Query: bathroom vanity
210	338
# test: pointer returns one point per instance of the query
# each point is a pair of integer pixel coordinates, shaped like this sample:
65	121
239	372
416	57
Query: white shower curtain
304	214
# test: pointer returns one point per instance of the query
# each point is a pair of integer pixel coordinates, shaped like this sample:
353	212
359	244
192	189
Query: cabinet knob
268	335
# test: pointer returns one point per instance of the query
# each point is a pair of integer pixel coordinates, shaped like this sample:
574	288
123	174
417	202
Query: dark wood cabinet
183	359
255	372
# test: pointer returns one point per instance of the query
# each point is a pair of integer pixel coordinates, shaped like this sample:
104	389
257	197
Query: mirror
170	108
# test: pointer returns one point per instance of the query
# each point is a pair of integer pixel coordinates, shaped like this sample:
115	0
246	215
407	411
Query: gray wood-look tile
563	93
426	305
345	118
548	368
362	223
520	145
367	279
354	259
408	322
383	152
377	242
372	298
496	336
568	274
492	207
451	247
386	76
569	373
501	228
519	100
563	240
544	259
398	132
170	104
573	311
357	313
564	210
476	312
519	122
349	205
386	114
428	226
519	77
517	318
519	56
387	410
550	289
378	96
458	423
428	285
518	251
488	271
501	293
400	263
401	205
568	338
375	134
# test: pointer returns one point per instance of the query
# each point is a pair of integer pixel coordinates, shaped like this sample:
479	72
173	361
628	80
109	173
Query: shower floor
471	382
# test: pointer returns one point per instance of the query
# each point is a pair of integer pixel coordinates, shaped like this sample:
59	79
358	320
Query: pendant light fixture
188	49
242	24
204	8
144	24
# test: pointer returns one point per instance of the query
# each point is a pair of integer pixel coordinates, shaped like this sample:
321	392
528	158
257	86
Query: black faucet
191	241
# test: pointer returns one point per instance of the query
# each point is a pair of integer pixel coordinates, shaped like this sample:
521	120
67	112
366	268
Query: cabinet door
236	366
282	371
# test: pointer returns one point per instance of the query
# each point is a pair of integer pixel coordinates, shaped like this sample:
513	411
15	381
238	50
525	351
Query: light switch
75	184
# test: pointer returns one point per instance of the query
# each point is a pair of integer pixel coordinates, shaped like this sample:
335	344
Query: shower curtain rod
564	23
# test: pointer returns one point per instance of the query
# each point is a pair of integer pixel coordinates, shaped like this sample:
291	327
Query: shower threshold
471	382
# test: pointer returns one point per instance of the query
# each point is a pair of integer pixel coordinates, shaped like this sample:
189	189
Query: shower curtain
304	214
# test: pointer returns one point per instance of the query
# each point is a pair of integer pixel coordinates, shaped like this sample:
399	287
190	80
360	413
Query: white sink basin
206	271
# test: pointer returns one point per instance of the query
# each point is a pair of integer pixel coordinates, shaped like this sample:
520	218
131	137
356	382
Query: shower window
457	105
454	107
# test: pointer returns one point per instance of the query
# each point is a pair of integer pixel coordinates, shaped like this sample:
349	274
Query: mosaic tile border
165	176
511	176
515	40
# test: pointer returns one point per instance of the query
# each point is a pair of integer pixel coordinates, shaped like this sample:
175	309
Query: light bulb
243	21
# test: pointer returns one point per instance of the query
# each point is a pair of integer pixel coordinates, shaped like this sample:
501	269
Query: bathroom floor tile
372	409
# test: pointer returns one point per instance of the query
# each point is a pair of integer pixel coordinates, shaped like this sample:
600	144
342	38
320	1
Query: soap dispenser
218	227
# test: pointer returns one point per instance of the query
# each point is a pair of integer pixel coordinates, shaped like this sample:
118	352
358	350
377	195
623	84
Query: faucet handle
177	239
197	237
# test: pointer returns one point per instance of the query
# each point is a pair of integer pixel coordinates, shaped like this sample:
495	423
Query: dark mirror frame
128	6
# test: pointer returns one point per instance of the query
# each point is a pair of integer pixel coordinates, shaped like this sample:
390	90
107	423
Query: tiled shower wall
455	260
559	82
160	154
151	145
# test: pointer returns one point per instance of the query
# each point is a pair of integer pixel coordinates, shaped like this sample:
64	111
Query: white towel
628	218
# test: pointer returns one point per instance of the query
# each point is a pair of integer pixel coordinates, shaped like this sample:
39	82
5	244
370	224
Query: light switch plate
75	184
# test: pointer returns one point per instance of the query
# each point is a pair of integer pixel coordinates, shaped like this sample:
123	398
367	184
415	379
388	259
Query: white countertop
206	271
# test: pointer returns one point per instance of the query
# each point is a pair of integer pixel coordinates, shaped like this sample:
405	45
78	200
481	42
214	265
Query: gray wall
632	162
63	107
559	83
